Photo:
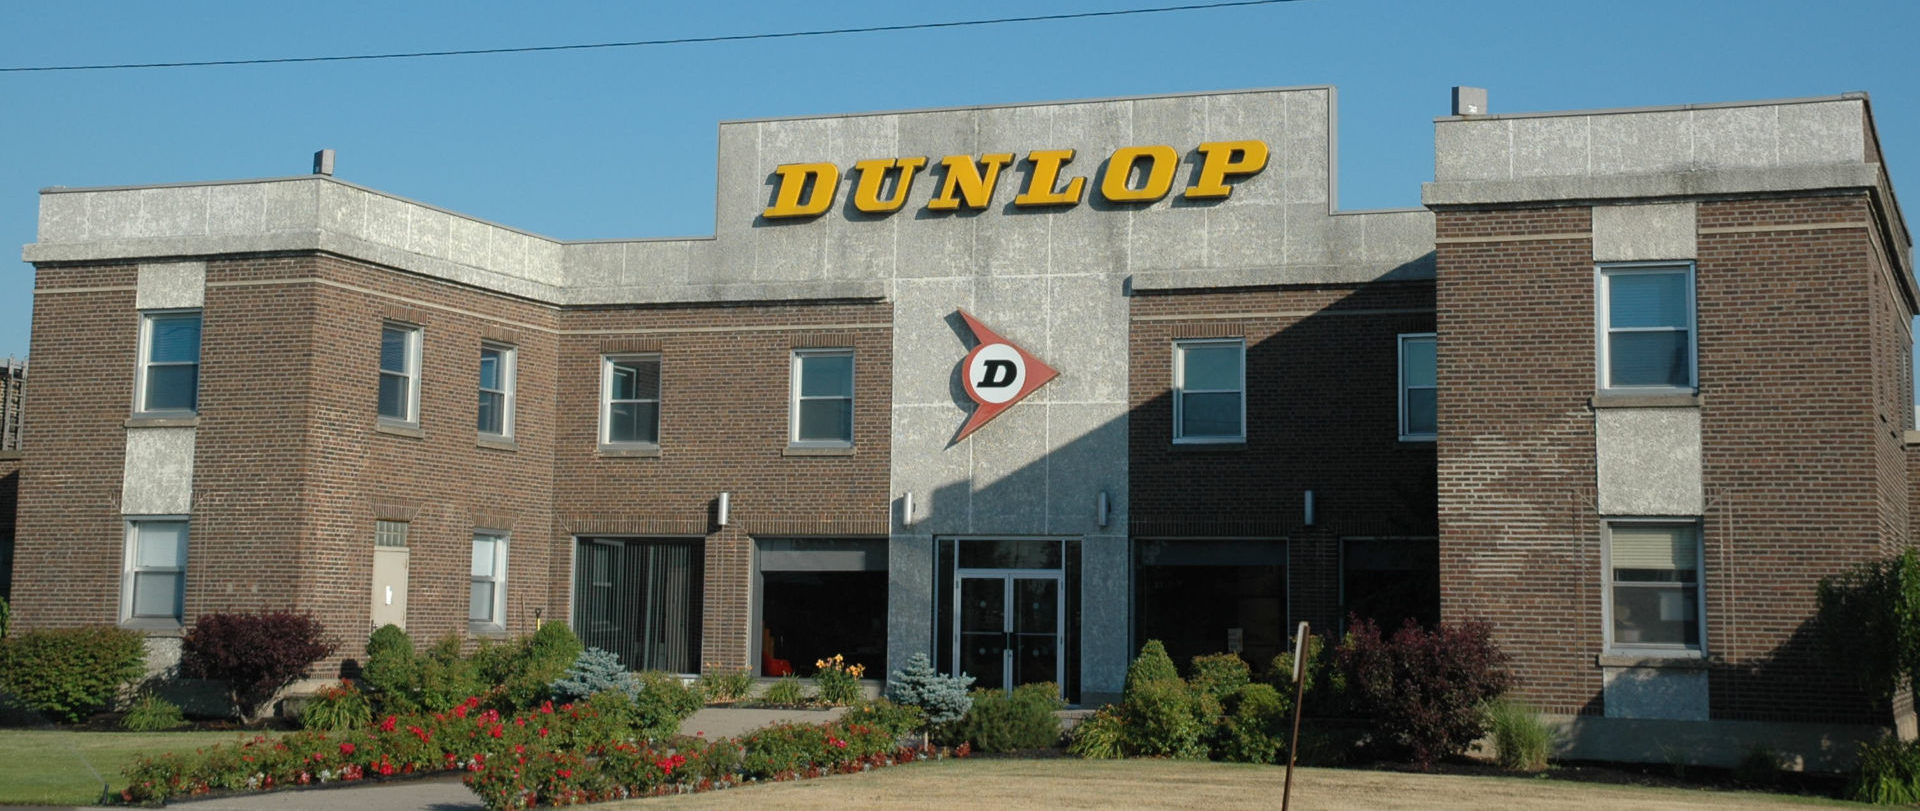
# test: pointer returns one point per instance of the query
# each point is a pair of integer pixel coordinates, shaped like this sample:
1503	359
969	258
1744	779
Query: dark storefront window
1211	596
1390	580
1007	612
640	600
819	597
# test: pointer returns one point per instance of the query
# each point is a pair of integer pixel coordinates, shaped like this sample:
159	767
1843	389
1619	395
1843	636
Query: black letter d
991	377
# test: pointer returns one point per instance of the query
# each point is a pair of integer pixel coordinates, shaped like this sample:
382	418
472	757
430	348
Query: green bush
786	691
1521	739
726	685
1153	664
151	713
337	708
1003	721
446	677
595	671
1888	773
663	702
1869	618
1166	718
392	671
6	617
1253	726
1100	737
1220	674
836	682
1759	767
538	661
896	720
69	673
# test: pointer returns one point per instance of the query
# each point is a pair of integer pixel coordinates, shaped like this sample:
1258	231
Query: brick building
1626	387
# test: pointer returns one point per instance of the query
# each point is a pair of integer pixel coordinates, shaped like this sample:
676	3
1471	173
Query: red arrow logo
997	374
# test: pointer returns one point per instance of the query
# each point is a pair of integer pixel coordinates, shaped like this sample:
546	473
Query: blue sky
620	142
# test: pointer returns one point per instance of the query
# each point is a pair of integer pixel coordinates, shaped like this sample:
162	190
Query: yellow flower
819	663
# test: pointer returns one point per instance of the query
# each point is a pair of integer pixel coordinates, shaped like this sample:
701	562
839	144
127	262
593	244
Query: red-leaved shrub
257	655
1421	689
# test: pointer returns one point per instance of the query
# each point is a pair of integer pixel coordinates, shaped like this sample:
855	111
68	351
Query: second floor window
822	405
1209	391
496	390
169	379
1418	388
400	374
630	400
1646	327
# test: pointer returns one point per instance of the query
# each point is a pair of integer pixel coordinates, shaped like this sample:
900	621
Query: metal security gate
640	600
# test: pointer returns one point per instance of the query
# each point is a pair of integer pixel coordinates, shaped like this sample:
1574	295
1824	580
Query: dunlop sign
1135	174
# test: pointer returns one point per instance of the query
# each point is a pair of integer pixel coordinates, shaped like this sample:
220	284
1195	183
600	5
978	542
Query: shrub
536	664
151	713
1003	721
1253	725
6	617
943	698
445	677
69	673
1101	736
392	670
836	682
595	671
663	702
726	685
1220	674
1153	664
786	691
1422	690
1165	717
895	719
1869	617
337	708
1759	767
1888	773
256	654
1521	739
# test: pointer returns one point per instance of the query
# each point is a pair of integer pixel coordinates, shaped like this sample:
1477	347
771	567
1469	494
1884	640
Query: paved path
446	794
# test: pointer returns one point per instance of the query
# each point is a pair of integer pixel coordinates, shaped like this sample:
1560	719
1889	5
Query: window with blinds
169	378
1654	584
1646	327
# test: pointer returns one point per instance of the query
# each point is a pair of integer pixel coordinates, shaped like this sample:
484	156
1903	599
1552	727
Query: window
641	600
1653	576
390	533
496	390
1390	581
822	398
1209	382
487	602
400	374
156	570
1201	596
1418	389
630	400
169	379
1646	327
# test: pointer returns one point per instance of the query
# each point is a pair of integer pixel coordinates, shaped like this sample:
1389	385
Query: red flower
387	725
346	748
543	732
460	711
546	707
565	772
497	729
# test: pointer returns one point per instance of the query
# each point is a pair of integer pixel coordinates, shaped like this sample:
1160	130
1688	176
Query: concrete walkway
445	793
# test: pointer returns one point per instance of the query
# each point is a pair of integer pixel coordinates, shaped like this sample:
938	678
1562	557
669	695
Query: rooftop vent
1469	101
323	160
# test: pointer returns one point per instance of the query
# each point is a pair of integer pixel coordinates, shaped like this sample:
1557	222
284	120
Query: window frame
509	372
1400	374
606	400
796	367
385	531
130	567
145	363
416	337
1699	650
1603	332
1180	391
497	624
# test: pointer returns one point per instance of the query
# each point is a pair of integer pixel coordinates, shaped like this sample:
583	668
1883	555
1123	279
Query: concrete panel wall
1653	693
164	285
159	472
1648	461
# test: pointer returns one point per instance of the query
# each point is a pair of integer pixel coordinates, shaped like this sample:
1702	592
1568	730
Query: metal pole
1299	694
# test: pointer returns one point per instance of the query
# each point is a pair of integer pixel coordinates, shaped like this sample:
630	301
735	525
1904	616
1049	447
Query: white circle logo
996	373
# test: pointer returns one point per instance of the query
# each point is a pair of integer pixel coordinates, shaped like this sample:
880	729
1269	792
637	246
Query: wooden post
1299	695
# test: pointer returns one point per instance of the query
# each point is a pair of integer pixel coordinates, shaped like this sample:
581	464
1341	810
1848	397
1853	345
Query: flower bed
545	756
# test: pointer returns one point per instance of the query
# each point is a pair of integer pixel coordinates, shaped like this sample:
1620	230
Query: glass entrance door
1007	631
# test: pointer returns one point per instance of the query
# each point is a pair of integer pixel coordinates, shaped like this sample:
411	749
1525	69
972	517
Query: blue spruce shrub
595	671
943	698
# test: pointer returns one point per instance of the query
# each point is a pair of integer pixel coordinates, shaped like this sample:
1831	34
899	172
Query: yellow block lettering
968	183
873	174
1161	161
1046	172
803	190
1221	159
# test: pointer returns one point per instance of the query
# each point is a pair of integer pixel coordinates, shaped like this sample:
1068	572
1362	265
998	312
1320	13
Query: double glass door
1007	631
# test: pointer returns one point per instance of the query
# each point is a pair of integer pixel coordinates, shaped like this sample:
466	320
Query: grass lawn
61	767
1072	783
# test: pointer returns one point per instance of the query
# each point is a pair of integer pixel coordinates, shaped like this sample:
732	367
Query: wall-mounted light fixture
1103	507
906	509
1309	508
722	507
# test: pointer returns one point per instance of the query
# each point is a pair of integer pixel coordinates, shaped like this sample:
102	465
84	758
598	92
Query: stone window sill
802	450
163	422
1678	660
499	443
399	430
1618	400
629	451
479	630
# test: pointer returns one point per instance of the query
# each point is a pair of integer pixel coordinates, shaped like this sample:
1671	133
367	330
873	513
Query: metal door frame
1007	576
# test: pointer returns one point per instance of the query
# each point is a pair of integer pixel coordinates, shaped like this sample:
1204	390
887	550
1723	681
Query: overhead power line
870	29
